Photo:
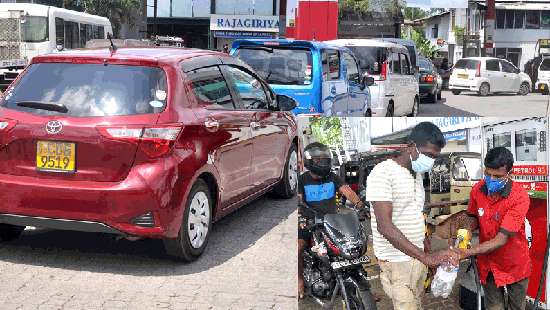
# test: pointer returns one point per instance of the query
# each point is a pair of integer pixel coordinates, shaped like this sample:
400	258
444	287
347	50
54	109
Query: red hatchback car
141	142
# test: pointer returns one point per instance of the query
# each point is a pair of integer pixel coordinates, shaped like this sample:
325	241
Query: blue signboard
243	34
458	135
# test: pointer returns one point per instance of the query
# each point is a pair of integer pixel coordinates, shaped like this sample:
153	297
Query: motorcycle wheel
361	300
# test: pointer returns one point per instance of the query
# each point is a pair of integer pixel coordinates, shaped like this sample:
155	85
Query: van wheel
368	113
415	108
546	92
439	95
524	89
456	92
195	227
289	183
484	90
10	232
390	111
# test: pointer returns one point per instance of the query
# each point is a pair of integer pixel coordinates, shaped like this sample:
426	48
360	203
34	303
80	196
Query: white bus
28	30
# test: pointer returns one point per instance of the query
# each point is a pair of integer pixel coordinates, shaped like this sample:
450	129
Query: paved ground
250	263
470	104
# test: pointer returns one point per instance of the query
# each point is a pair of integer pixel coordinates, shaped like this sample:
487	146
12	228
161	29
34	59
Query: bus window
89	32
59	31
503	139
526	145
82	35
71	35
101	32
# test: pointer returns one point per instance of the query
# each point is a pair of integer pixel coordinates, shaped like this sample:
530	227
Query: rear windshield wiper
57	107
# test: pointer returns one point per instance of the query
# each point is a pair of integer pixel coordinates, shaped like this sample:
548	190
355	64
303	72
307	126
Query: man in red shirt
498	207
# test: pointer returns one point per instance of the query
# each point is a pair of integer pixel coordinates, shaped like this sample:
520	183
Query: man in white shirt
396	191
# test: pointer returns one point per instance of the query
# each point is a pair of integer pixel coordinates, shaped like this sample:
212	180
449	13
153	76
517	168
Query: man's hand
435	259
427	245
461	253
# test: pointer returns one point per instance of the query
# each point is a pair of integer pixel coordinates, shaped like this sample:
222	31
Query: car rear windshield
87	90
283	66
425	64
467	64
370	57
545	65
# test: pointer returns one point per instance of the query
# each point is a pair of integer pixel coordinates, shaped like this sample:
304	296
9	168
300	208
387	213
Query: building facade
214	23
519	26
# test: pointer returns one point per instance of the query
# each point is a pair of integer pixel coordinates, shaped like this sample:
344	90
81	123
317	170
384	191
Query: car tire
546	92
368	113
433	98
10	232
415	108
439	95
484	90
287	187
524	89
390	111
182	248
456	92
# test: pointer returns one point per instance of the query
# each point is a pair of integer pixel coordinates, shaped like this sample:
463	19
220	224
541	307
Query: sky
429	4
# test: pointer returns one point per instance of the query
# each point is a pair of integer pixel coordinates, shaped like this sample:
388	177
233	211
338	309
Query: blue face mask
423	163
494	185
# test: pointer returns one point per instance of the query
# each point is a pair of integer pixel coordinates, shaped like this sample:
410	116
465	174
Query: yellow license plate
463	76
55	156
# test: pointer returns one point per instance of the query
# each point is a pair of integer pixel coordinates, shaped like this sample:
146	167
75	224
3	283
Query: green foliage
361	6
459	34
414	13
327	130
423	45
118	11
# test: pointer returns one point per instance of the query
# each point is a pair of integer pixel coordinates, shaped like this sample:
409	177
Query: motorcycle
333	261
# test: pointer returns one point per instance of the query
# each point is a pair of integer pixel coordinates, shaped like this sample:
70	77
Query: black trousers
494	296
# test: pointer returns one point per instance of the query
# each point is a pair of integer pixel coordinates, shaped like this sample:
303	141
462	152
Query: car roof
482	58
363	42
151	55
285	42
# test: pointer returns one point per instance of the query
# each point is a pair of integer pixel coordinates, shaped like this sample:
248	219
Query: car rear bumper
426	89
463	84
109	207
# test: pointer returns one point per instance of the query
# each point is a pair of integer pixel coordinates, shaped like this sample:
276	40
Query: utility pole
490	17
155	6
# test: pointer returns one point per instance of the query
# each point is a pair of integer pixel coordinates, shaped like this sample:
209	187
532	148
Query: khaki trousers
404	283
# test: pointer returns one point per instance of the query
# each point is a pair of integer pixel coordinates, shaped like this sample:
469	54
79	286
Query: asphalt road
250	263
470	104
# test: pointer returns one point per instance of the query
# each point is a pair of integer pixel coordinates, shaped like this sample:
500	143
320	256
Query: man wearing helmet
317	190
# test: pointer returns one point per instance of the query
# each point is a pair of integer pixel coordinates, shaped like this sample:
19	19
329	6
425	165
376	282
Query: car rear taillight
478	69
153	141
428	78
6	125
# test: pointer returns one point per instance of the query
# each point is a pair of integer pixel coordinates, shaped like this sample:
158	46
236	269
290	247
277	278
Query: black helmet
318	159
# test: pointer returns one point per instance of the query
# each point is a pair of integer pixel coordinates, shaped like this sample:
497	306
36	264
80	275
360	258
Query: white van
395	90
543	81
486	75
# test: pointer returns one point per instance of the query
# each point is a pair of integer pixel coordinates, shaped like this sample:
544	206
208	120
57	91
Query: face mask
494	185
422	164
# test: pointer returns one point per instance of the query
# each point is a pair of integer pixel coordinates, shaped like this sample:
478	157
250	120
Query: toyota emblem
54	127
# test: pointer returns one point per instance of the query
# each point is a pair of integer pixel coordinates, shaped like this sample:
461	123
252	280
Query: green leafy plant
118	11
459	34
423	45
327	130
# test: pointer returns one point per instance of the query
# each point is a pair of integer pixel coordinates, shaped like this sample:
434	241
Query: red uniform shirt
510	263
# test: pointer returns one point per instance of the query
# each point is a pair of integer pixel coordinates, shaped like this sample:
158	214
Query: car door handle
212	125
255	125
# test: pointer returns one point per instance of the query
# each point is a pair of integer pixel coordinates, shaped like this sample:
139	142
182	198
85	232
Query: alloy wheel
199	217
293	170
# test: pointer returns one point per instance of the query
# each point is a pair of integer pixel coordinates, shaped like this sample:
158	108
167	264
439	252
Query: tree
360	6
117	11
327	130
423	45
414	13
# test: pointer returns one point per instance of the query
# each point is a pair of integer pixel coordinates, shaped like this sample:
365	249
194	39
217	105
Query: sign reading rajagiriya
244	23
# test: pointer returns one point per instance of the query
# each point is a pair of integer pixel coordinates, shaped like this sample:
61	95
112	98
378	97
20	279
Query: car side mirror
286	103
366	81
